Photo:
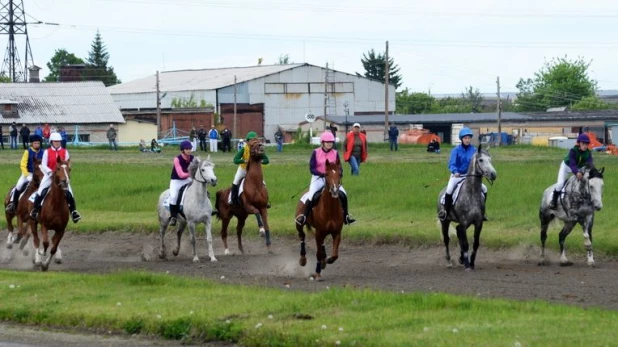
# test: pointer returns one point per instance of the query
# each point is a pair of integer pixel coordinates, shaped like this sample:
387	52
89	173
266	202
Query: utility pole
158	107
325	95
499	106
13	22
386	83
234	126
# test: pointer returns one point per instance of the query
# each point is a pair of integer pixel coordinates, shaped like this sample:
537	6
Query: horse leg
225	222
181	229
43	252
545	220
463	246
260	223
239	226
196	259
208	229
320	254
566	230
58	257
303	251
162	228
36	243
587	226
54	248
264	215
446	238
335	255
475	244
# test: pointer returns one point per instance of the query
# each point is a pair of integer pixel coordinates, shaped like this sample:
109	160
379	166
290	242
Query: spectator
111	137
213	135
142	146
393	134
154	146
64	136
279	140
13	134
226	137
46	133
433	146
201	135
38	131
24	132
333	129
355	149
193	138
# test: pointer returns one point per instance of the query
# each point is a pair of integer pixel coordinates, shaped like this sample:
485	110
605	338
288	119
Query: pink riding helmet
327	136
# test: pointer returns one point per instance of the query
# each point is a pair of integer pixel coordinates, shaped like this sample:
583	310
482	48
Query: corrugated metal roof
61	103
205	79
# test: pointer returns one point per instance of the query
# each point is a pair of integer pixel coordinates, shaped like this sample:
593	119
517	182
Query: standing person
27	168
13	134
111	137
241	158
48	166
317	167
355	146
193	138
24	132
46	134
458	163
393	134
578	157
226	139
39	131
1	137
279	140
201	135
213	135
180	176
65	137
333	129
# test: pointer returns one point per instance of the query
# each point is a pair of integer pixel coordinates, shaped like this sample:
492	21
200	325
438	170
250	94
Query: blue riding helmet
583	138
186	144
465	132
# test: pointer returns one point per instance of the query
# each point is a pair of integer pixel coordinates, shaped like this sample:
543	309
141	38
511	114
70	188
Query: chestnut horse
54	216
22	209
326	218
253	200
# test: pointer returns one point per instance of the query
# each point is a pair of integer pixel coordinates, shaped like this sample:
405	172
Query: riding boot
234	194
448	204
301	219
75	216
173	214
12	206
347	219
554	199
36	208
485	210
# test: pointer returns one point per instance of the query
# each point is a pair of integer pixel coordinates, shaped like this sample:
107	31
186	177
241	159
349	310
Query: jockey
317	167
48	165
240	159
27	170
180	176
458	166
578	157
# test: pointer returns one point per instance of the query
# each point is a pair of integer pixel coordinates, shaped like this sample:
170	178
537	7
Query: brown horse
54	215
326	218
21	211
254	200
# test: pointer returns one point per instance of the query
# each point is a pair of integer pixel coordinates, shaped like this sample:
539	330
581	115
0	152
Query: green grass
196	310
393	198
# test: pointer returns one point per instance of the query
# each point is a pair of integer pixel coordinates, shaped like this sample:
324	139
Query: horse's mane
195	163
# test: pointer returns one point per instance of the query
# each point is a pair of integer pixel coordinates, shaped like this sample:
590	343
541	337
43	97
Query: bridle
477	167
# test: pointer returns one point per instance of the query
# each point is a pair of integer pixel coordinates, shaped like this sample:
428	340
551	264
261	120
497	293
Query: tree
473	98
284	59
97	63
591	103
61	58
5	79
413	103
374	68
560	82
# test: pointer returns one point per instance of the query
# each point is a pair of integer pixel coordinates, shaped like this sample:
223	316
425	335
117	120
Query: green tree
413	103
5	79
61	58
592	103
97	60
374	68
472	98
560	82
284	59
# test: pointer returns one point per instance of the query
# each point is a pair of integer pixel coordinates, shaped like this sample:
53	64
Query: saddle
181	198
455	192
241	188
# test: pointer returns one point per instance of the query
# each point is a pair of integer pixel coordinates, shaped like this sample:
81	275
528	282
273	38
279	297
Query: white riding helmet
55	137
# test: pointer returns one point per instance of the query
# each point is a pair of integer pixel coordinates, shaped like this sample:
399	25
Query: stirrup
301	219
442	215
76	216
10	208
349	220
172	221
34	214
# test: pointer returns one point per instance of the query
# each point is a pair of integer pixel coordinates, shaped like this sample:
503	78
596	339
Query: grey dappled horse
469	208
578	204
196	208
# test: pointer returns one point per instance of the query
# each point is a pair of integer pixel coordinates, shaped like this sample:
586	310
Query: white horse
578	203
196	208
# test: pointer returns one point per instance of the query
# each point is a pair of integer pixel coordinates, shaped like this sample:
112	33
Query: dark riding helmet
583	138
35	138
186	144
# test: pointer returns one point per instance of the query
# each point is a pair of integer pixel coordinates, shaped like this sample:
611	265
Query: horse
580	200
22	209
196	208
326	218
254	200
469	208
54	216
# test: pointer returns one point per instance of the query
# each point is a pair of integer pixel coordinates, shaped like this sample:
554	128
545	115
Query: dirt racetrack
511	273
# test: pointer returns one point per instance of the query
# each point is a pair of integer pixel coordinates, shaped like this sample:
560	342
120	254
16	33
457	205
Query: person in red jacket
355	149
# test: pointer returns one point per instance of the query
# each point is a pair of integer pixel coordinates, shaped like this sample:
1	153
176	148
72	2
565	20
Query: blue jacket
213	134
393	132
460	159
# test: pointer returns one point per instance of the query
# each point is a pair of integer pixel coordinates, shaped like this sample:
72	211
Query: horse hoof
542	263
175	253
58	261
44	267
227	252
330	260
591	264
302	261
449	265
213	260
316	277
9	245
469	269
195	259
323	265
566	263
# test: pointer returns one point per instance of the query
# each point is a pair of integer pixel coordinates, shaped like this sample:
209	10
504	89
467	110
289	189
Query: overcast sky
439	45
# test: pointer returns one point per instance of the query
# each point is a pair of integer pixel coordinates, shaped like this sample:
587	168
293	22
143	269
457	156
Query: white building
266	96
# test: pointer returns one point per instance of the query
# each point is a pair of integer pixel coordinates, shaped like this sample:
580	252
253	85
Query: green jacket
243	154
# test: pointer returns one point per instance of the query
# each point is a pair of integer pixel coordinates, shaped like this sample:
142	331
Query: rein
478	167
